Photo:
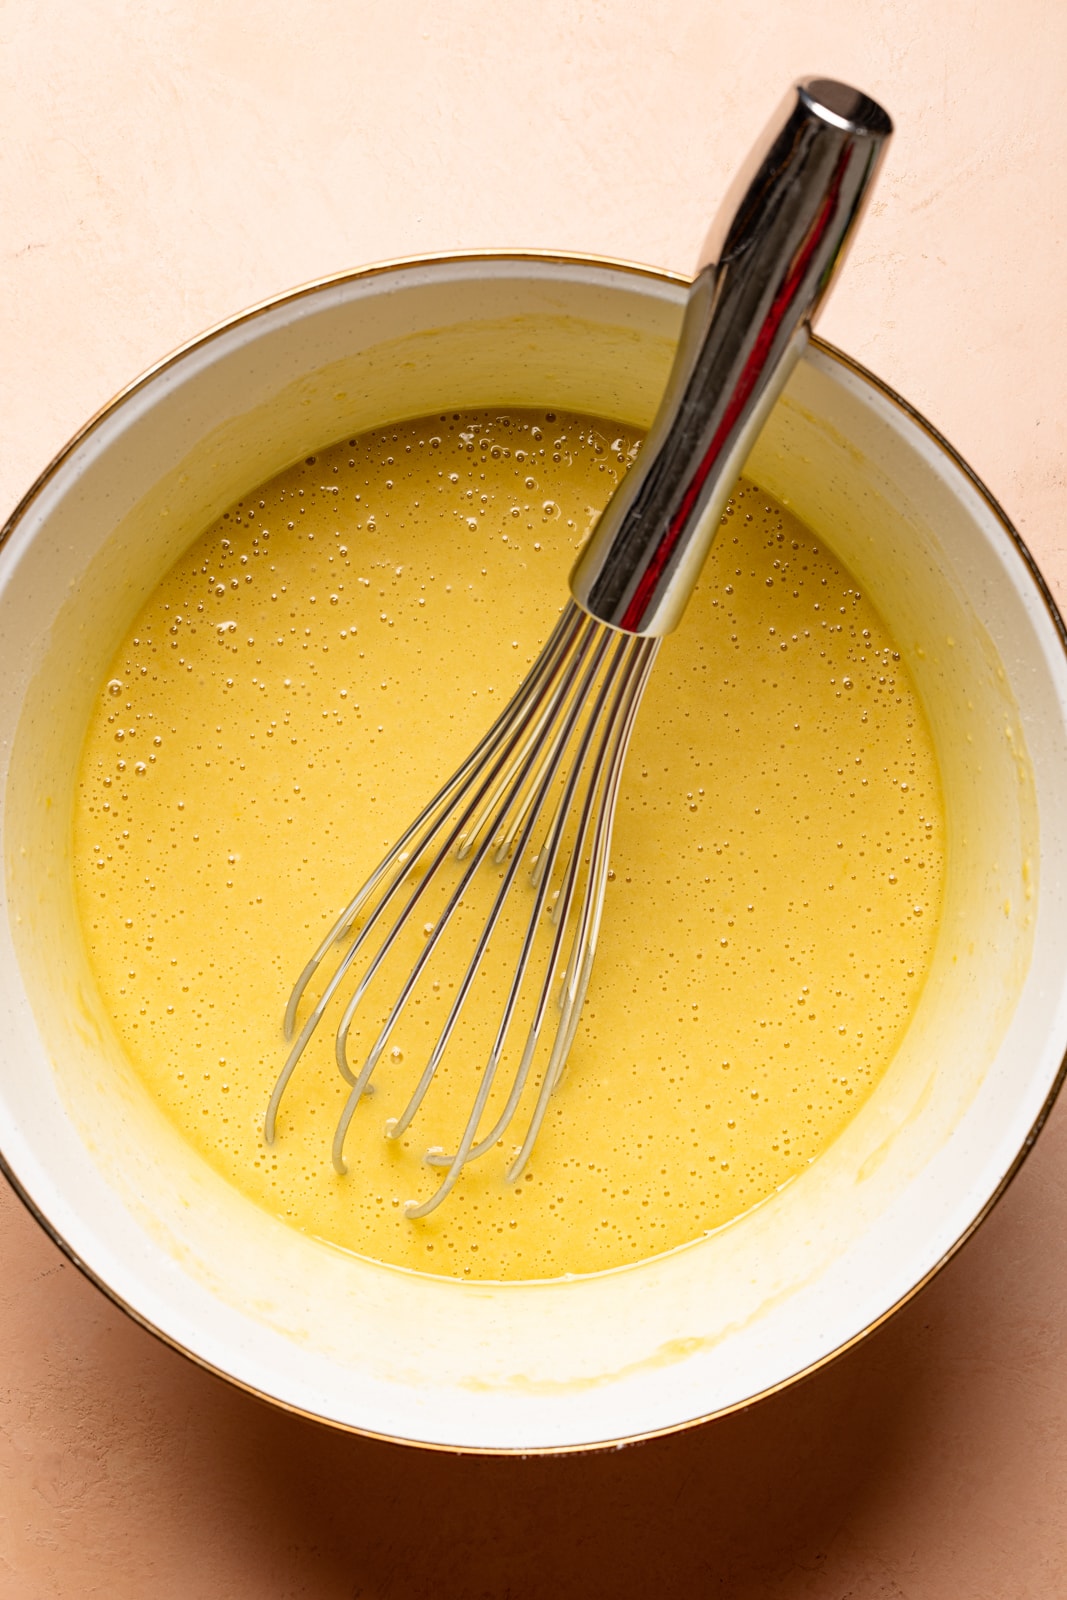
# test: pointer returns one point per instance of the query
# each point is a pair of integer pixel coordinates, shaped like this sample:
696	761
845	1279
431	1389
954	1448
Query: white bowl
564	1364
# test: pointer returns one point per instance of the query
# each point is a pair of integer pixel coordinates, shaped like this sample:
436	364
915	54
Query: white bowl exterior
572	1363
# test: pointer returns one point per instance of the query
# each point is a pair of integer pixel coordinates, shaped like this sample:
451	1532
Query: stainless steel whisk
551	765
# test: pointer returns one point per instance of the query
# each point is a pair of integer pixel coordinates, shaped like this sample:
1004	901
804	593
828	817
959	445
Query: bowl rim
835	357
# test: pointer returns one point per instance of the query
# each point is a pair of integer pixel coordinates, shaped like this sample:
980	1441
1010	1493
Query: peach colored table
169	161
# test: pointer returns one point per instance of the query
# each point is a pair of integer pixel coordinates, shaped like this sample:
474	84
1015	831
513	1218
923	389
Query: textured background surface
169	161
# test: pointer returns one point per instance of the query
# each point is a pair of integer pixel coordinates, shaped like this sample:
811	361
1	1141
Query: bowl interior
565	1364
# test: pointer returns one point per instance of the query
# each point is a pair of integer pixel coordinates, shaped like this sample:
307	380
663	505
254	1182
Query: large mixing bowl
569	1363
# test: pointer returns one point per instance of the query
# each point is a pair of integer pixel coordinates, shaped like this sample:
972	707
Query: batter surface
304	678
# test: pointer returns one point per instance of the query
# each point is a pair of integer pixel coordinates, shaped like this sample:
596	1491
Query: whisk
549	769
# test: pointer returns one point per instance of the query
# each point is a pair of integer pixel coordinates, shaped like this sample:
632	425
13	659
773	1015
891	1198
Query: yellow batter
313	667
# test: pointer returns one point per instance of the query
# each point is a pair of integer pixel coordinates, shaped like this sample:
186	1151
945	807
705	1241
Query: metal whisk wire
569	723
410	845
561	741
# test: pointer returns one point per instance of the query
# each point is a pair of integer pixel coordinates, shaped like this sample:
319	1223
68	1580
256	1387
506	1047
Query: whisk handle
766	266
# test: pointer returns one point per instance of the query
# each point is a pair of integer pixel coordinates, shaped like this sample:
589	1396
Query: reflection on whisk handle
768	261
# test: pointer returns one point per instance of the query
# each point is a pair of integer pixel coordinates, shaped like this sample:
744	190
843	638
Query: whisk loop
553	759
564	735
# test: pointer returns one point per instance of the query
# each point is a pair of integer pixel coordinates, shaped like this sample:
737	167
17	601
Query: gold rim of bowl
658	275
